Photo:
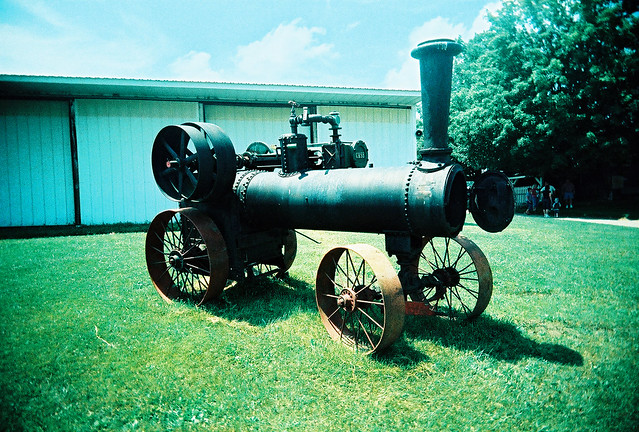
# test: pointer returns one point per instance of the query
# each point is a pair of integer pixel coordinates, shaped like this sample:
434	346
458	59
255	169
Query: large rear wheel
186	256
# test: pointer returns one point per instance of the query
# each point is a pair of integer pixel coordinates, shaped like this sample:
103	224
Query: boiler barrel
410	199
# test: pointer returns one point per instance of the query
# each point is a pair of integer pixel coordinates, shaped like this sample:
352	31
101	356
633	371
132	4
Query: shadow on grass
498	339
264	300
68	230
401	354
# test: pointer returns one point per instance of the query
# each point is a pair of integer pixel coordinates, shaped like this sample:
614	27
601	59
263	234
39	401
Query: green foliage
87	344
549	89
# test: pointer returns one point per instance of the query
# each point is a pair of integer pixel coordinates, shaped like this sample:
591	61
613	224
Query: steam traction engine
238	214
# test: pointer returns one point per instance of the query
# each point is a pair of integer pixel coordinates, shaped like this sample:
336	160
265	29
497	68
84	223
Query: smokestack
436	70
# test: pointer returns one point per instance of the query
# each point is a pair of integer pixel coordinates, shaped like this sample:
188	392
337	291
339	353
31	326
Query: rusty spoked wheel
464	279
360	298
186	256
279	266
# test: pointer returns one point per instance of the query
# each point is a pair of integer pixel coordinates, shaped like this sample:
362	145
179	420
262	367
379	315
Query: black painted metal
492	202
436	65
75	173
409	199
258	197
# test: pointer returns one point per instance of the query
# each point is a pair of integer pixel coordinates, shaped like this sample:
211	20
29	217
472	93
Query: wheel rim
465	275
359	298
220	148
182	163
193	161
186	256
280	266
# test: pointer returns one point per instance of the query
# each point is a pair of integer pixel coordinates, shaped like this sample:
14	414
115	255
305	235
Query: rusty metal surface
359	297
464	273
186	256
242	210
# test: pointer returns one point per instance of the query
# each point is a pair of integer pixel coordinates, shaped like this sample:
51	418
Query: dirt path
619	222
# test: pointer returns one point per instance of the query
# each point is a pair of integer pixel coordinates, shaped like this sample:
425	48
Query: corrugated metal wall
247	124
389	133
115	138
36	182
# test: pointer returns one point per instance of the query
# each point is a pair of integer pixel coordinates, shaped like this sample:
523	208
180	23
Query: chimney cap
442	46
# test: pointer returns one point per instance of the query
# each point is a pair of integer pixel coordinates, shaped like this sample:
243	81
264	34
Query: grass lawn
87	343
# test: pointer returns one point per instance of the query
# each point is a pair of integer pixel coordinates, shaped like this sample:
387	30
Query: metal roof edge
36	86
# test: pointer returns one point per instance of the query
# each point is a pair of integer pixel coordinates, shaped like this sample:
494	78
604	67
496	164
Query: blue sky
353	43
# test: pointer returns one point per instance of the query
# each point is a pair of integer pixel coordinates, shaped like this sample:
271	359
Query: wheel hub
347	299
448	276
176	260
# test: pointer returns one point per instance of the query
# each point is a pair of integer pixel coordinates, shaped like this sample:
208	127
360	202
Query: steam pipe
306	120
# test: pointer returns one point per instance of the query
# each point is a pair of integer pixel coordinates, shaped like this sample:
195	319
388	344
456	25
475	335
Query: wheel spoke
473	293
168	172
334	312
353	297
191	177
439	262
377	303
183	142
462	269
192	267
462	252
181	183
170	149
371	319
446	260
181	247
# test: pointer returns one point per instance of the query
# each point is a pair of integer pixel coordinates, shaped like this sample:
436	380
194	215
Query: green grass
627	208
87	344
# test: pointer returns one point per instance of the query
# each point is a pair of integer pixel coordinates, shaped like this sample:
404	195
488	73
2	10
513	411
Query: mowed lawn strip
87	344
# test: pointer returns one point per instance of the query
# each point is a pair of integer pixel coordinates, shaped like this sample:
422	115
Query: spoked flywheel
186	256
193	161
360	298
457	277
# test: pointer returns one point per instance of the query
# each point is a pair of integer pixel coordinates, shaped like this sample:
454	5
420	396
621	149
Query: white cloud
407	75
352	25
42	11
195	66
55	44
284	55
481	23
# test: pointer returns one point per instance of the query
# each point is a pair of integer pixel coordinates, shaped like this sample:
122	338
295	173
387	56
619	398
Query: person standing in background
547	193
568	193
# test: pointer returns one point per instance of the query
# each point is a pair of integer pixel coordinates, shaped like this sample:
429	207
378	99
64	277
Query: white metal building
77	150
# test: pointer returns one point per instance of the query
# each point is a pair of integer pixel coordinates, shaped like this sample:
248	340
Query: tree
549	89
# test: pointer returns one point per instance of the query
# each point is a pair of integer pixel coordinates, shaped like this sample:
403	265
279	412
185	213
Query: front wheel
360	298
464	281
